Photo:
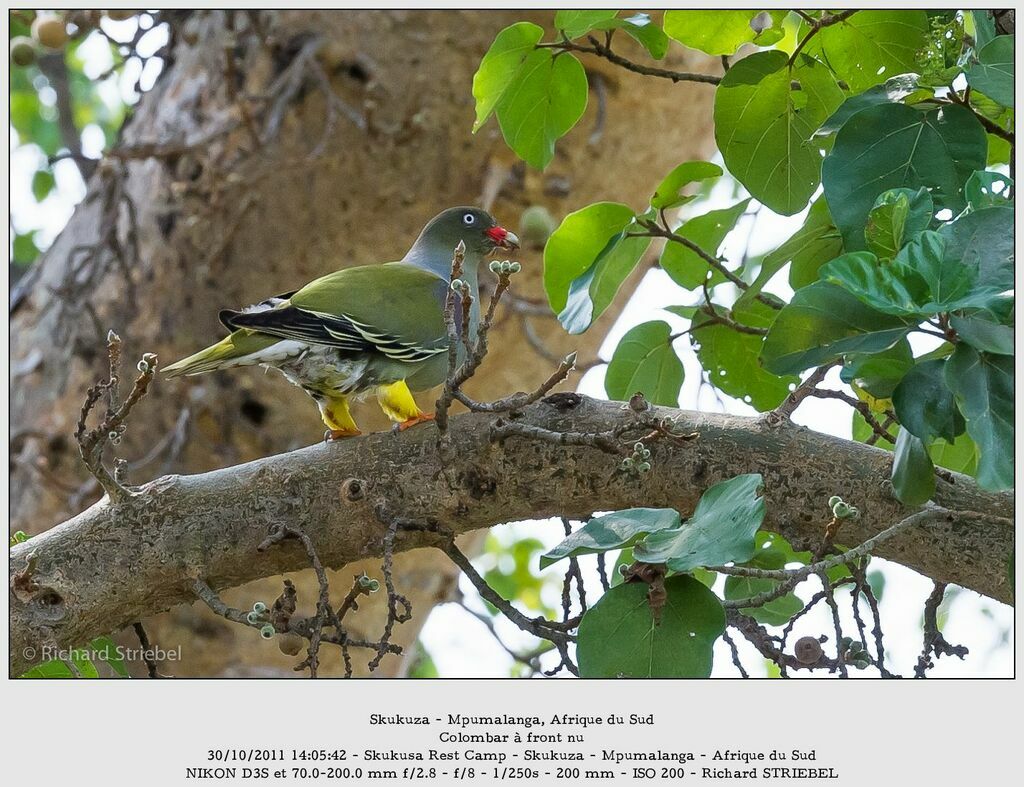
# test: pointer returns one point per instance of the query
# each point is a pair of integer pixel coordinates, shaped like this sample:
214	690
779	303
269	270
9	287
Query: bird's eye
468	219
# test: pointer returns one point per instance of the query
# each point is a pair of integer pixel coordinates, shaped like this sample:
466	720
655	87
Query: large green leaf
984	27
649	35
913	475
764	126
871	46
720	531
993	73
983	334
592	292
545	99
824	322
638	26
667	195
925	405
921	281
983	386
618	530
575	23
577	244
988	189
983	241
771	552
961	455
731	357
619	636
815	243
878	373
501	65
894	146
894	89
897	217
722	32
645	361
708	231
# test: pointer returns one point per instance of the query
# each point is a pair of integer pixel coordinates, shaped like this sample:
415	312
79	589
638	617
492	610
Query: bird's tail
241	348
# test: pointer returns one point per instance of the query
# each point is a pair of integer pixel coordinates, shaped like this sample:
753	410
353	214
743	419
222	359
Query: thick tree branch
119	562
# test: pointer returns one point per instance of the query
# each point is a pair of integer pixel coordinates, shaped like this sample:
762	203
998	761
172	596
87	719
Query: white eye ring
468	218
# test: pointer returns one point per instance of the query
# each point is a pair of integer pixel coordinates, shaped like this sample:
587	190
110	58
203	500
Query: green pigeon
370	329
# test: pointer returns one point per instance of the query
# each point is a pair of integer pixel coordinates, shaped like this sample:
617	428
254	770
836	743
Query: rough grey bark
111	565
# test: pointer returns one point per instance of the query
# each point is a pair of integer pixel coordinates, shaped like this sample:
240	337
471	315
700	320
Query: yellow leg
336	415
398	404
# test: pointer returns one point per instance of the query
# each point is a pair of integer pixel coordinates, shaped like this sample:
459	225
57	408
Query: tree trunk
274	148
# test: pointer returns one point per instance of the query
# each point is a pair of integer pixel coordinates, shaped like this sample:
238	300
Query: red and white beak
503	238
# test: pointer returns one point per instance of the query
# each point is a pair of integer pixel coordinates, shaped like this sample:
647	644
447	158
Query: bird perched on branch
371	329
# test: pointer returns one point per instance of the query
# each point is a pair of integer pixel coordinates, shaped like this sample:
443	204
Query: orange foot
338	434
416	419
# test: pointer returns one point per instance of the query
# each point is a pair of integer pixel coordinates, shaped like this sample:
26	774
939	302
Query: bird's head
475	227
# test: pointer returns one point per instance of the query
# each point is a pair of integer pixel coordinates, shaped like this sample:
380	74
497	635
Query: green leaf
924	404
592	292
871	46
771	552
998	151
649	35
708	231
501	66
961	455
983	386
983	241
824	322
668	194
645	361
993	73
913	475
546	98
731	358
720	531
24	249
763	126
612	531
815	243
894	146
897	216
576	23
891	91
878	373
776	612
722	32
106	650
983	334
42	184
577	244
618	636
921	281
984	28
988	189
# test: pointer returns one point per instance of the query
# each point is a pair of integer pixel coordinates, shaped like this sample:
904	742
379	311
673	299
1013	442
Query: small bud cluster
841	509
505	267
368	584
115	435
852	652
18	537
147	364
639	461
458	285
259	615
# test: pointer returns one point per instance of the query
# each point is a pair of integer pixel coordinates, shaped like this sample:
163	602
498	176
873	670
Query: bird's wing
394	309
